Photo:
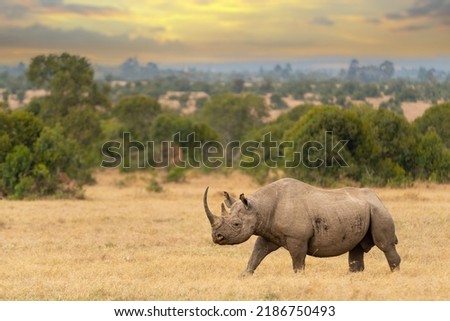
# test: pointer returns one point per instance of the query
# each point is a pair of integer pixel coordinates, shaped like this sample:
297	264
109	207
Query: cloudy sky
183	31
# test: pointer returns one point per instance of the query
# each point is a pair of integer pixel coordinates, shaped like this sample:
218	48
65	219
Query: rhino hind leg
393	259
356	255
356	259
383	233
391	254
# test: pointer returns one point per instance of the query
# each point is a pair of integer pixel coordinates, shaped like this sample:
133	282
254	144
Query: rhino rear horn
224	210
213	219
245	201
229	200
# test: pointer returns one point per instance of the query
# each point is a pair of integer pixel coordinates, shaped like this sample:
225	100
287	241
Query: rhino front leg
297	249
260	251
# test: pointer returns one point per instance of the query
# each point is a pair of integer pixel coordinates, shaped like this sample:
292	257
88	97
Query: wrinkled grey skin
307	220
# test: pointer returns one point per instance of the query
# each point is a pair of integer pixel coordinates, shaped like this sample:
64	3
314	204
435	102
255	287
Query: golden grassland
125	243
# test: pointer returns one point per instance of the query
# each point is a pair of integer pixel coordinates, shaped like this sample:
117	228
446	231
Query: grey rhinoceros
307	220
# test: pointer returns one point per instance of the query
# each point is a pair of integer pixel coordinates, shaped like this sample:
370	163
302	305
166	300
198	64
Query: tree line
53	145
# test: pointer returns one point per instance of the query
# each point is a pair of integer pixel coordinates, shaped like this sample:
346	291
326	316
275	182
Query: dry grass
413	110
124	243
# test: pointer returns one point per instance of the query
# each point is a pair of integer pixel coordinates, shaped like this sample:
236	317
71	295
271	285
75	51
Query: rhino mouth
222	240
218	238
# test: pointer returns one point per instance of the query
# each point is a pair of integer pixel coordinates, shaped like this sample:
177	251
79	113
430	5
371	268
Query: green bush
24	188
379	148
277	101
231	116
38	161
136	114
18	164
20	128
433	159
392	174
394	138
176	174
43	180
315	137
154	186
437	117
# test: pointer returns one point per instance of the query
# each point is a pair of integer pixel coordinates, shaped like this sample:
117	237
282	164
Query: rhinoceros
305	220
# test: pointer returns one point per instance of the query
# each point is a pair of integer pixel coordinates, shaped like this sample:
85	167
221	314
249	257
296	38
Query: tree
37	160
277	101
407	94
18	128
17	166
387	69
3	106
437	117
395	136
433	159
84	126
40	148
353	69
332	143
184	132
392	104
238	85
5	96
167	124
21	95
69	80
396	141
66	76
60	154
374	147
136	113
233	115
266	86
269	157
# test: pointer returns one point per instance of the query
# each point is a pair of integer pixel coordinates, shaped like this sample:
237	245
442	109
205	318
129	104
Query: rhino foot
246	274
395	268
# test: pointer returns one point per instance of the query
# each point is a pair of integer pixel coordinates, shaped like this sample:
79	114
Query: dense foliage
52	144
37	160
334	146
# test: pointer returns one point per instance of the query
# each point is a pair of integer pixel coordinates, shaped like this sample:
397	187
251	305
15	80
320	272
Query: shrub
328	126
154	186
49	163
437	117
176	174
433	159
18	164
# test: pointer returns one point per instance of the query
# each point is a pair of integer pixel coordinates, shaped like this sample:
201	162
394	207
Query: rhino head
232	227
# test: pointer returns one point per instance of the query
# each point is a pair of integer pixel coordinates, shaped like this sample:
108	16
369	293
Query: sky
208	31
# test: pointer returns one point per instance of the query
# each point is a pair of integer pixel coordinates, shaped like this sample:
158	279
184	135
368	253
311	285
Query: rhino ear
228	199
245	201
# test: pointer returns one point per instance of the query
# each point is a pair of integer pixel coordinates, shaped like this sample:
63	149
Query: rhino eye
236	224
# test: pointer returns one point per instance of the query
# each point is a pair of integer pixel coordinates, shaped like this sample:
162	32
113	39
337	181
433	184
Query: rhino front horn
211	217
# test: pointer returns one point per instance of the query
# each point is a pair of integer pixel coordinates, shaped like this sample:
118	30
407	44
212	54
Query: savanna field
124	243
